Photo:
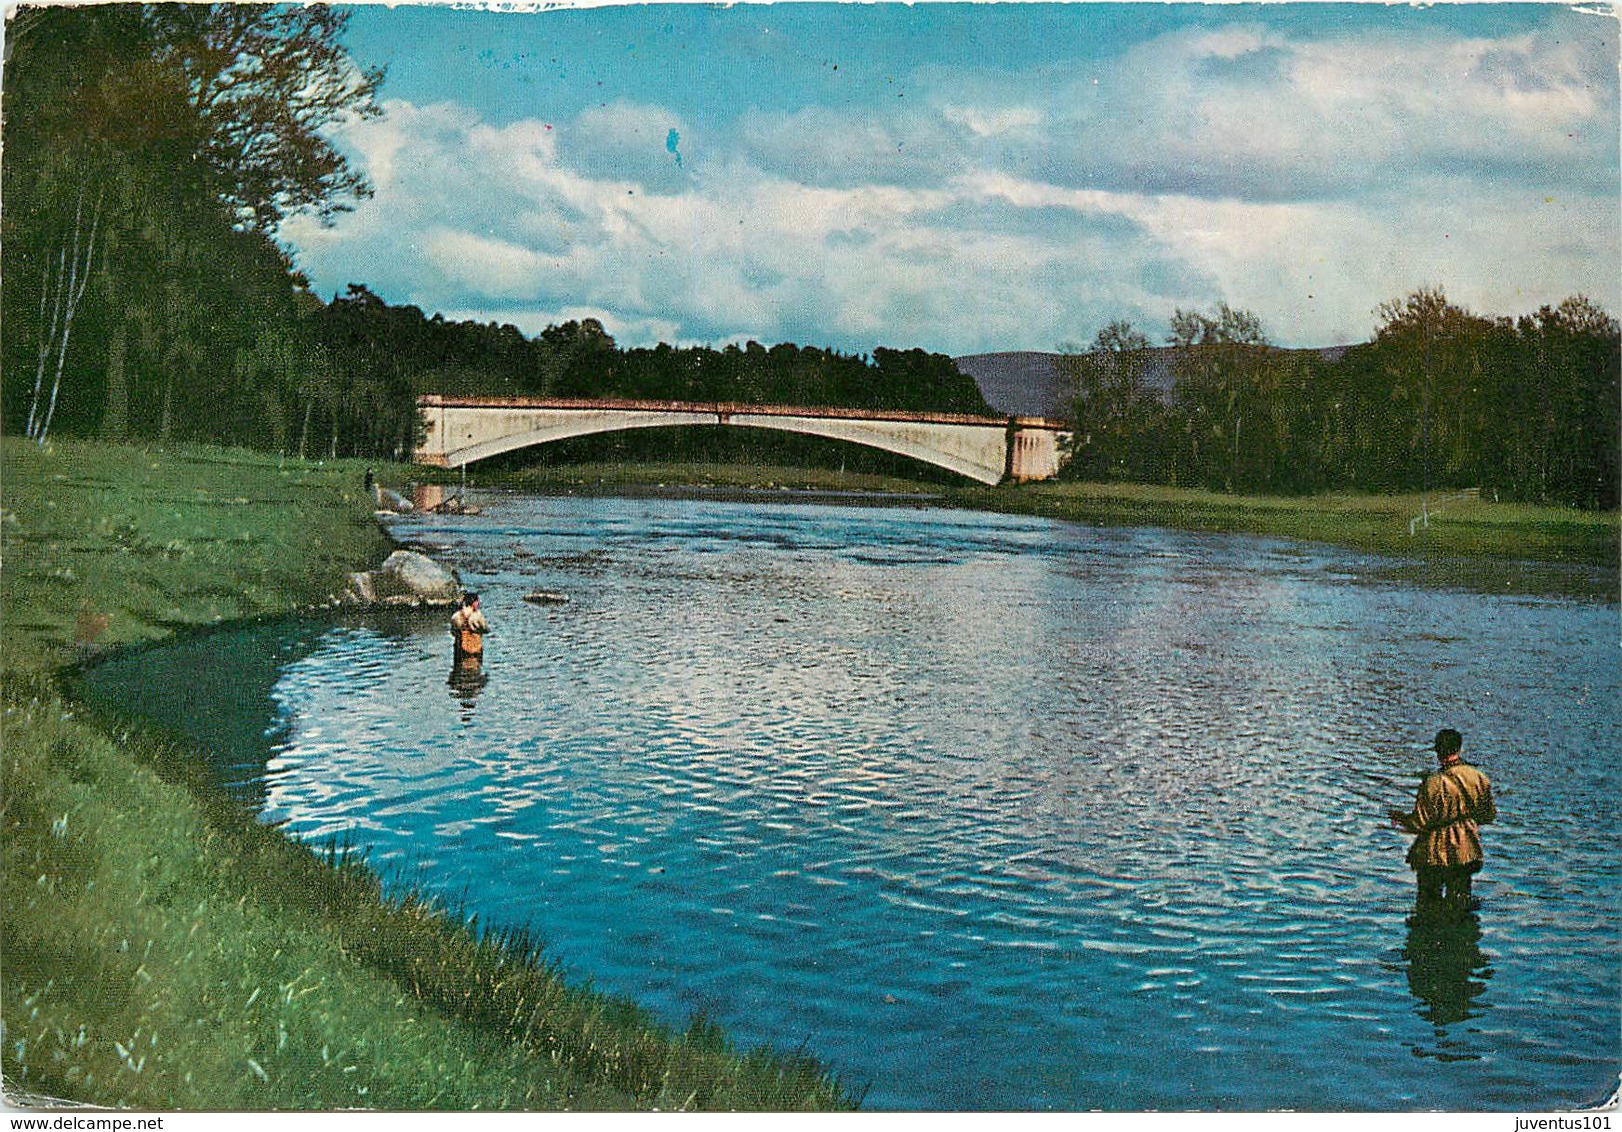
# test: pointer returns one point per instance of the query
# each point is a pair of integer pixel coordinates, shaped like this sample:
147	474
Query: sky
979	177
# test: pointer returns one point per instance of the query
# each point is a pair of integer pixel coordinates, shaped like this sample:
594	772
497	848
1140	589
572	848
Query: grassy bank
1457	524
162	950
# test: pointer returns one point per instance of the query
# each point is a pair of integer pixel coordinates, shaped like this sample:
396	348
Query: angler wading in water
468	628
1453	802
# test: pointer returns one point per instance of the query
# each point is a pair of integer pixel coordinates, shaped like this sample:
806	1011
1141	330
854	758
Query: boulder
405	578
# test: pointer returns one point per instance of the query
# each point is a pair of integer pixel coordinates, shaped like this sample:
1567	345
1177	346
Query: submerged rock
545	597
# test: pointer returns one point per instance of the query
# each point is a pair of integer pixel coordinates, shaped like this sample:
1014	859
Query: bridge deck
733	408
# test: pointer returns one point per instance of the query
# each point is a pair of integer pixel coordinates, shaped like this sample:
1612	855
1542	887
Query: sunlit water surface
986	812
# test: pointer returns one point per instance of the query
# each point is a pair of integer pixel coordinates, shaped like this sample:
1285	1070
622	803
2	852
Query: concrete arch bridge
461	430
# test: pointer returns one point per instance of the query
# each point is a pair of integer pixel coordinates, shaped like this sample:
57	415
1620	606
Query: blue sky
968	178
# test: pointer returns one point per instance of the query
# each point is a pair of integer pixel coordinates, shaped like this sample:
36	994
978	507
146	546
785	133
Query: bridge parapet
461	430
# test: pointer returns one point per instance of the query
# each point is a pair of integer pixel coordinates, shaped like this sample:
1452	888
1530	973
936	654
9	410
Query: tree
151	153
1111	412
266	82
914	379
65	288
69	132
1437	360
577	358
1223	371
1558	408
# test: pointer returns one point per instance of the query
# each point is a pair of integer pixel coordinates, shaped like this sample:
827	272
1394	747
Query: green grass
161	949
155	541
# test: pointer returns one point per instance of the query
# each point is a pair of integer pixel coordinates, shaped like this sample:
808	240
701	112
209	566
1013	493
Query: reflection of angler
467	679
1446	968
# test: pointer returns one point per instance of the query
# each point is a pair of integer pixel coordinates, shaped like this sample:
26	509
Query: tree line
580	359
153	152
1525	407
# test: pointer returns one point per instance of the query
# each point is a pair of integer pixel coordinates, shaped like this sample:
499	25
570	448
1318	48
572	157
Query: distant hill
1030	383
1021	383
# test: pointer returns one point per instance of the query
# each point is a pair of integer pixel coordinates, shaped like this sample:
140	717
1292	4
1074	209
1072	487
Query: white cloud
1244	109
983	123
1305	179
498	269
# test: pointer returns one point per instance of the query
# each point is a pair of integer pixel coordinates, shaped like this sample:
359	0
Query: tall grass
163	950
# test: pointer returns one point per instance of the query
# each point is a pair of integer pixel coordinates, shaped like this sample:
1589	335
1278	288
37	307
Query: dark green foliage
580	359
151	151
1440	399
793	375
382	356
1113	412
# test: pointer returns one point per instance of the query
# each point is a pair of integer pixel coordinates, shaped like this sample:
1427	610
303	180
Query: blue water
990	812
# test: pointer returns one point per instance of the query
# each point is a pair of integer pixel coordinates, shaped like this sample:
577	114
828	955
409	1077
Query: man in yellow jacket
1452	804
468	628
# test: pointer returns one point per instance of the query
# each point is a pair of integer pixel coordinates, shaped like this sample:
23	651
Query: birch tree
66	291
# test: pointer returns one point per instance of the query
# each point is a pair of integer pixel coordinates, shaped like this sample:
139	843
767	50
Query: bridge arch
460	431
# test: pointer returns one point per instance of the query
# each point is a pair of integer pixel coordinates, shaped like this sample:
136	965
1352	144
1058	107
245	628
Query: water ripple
1099	814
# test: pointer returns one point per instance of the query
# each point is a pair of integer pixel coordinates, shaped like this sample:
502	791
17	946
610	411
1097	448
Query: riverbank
1451	523
163	950
1439	538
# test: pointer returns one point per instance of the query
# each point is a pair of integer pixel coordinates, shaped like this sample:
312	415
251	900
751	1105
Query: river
986	812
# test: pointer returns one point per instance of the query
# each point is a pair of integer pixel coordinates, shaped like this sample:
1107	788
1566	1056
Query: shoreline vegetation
166	951
1442	538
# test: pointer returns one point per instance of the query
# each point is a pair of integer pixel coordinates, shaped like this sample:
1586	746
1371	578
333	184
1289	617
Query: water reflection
1447	970
466	681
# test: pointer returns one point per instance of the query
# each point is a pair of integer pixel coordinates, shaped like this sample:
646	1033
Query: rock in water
393	501
409	578
545	597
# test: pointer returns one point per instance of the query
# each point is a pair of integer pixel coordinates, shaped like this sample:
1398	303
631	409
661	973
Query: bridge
991	450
